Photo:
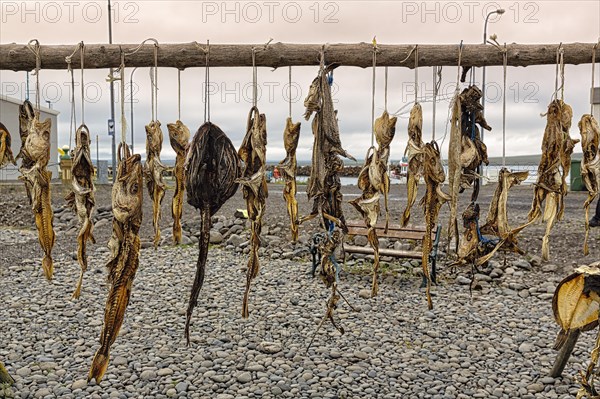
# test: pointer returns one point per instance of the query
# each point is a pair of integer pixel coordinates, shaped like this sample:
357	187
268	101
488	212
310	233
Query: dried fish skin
468	246
6	155
5	378
81	198
179	137
288	166
153	171
252	153
124	248
415	159
212	167
551	186
432	202
590	166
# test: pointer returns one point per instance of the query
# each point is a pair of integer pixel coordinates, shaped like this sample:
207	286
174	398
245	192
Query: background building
9	116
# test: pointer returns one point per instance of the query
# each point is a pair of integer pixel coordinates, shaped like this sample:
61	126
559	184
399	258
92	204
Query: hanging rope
72	118
373	93
412	50
178	94
593	73
290	89
416	74
34	47
206	83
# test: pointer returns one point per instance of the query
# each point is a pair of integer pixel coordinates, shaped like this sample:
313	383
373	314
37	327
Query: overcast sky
393	22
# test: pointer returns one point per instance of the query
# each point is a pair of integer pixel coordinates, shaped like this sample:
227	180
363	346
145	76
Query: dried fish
590	166
153	171
575	305
211	169
252	152
5	378
551	186
81	198
6	155
288	167
35	155
384	129
324	186
179	136
124	245
466	151
414	151
434	198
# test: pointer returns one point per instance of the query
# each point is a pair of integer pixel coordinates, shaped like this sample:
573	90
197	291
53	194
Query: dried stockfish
324	186
81	198
590	166
288	167
6	155
35	154
124	245
433	200
252	152
414	151
211	169
551	185
179	137
153	171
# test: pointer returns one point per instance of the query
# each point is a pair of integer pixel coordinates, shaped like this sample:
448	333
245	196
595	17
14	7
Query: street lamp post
131	99
112	99
499	11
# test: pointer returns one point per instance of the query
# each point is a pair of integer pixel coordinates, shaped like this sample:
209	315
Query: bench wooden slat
383	252
381	225
404	235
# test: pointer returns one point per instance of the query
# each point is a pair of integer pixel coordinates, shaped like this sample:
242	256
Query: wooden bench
358	228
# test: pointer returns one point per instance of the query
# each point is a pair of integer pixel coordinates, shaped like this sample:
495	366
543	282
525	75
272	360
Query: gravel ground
495	342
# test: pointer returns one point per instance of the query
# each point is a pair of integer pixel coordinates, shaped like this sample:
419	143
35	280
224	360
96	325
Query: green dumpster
576	180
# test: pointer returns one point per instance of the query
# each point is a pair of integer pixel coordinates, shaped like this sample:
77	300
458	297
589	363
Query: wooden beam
18	57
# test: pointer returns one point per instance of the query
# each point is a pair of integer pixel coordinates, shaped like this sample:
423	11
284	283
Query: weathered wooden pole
18	57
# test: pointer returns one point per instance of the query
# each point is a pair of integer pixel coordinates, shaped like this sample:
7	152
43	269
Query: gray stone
244	377
215	237
148	375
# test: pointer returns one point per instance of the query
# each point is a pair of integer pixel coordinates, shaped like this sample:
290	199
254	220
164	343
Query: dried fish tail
43	220
200	267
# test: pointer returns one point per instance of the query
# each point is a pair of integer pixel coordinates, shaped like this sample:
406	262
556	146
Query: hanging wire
385	90
153	75
82	65
254	77
72	118
456	92
416	74
178	94
504	67
373	93
593	73
559	73
437	82
34	47
123	119
290	89
206	83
